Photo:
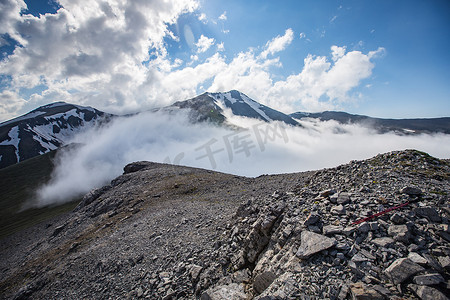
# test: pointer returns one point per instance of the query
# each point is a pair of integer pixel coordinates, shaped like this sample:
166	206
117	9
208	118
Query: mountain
402	126
44	129
372	229
211	106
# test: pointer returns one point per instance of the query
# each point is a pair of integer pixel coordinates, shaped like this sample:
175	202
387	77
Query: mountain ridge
51	126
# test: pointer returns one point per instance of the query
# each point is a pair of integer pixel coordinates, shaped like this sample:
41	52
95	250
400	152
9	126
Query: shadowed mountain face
171	232
44	129
401	126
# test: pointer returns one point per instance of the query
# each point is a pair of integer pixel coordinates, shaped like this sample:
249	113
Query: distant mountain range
52	126
401	126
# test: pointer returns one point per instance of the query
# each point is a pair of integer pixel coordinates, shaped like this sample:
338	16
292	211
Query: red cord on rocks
379	214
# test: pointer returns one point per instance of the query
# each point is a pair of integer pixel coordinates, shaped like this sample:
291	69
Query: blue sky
380	58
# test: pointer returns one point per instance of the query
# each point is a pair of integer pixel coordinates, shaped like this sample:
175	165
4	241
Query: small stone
313	218
400	233
364	228
373	226
444	261
383	241
415	257
362	291
401	269
225	292
411	191
327	193
397	219
343	292
427	293
332	229
263	280
338	209
195	271
427	212
312	243
343	198
140	292
429	279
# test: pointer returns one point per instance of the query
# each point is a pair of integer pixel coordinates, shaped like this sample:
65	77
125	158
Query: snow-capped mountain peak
44	129
242	105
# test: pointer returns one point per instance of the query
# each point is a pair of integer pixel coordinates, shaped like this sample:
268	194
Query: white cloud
161	138
204	43
94	49
223	16
302	35
202	17
278	43
221	47
337	52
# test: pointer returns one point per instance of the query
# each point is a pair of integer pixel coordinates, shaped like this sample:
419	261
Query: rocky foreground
374	229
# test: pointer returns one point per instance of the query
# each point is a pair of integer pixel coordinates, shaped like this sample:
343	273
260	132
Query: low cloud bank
263	148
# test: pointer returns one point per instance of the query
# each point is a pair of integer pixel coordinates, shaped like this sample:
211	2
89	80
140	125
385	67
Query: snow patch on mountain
14	140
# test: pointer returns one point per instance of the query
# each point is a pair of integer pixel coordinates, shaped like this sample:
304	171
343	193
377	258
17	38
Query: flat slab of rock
426	292
429	279
263	280
411	191
361	291
428	212
383	241
332	229
312	243
232	291
401	269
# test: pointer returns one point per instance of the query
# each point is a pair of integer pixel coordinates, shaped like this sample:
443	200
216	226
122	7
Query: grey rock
312	243
343	198
411	191
364	227
397	219
426	292
444	261
401	269
195	271
399	233
231	291
312	219
362	291
429	279
338	209
332	229
428	212
263	280
327	193
415	257
383	241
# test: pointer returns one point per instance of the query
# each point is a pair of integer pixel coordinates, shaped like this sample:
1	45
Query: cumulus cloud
278	43
89	48
264	148
204	43
112	55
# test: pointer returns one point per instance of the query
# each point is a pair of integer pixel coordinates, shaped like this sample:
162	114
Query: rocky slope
172	232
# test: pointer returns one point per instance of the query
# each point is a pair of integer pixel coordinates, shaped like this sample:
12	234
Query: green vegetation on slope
17	185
